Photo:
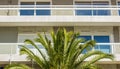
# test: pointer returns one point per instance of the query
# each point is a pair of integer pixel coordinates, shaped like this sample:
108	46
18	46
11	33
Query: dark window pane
103	39
27	3
119	7
86	39
27	11
43	11
42	3
83	12
83	5
101	5
101	12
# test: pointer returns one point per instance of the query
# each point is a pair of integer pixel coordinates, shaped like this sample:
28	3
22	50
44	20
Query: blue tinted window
101	12
119	7
26	12
86	39
102	39
83	12
43	11
88	12
27	5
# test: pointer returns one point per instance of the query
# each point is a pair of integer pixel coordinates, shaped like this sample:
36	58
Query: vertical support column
114	12
116	33
113	2
8	2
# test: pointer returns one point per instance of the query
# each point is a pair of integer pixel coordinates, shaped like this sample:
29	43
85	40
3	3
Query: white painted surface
17	57
59	21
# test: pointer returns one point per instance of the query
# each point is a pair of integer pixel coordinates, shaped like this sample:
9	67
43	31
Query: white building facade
98	20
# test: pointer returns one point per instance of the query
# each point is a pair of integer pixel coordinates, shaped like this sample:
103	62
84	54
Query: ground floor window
99	39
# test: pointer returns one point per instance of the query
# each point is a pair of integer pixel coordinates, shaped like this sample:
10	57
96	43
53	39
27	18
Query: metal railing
10	51
96	10
16	46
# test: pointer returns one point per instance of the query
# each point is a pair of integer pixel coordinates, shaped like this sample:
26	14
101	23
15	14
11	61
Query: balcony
16	15
10	51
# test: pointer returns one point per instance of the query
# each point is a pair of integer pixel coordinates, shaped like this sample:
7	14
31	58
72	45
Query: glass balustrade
13	48
48	10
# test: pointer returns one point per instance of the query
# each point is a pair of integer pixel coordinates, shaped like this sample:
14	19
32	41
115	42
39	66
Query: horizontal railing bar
52	43
60	8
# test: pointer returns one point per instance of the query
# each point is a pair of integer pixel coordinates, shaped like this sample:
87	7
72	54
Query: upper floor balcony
10	51
61	14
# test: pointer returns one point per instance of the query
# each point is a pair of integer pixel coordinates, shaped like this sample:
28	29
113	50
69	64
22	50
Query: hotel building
95	19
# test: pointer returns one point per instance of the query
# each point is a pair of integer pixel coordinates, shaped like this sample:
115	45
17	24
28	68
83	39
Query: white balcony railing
89	10
10	51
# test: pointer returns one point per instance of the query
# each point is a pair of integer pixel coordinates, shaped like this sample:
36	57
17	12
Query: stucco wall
8	35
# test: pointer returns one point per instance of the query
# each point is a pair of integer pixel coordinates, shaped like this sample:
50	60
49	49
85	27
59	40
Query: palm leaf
17	66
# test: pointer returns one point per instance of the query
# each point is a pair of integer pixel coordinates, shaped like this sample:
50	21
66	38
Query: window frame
83	3
48	11
35	7
100	3
27	10
118	7
91	3
92	38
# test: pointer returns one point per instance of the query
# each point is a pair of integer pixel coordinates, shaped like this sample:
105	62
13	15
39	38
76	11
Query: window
27	5
89	12
86	39
119	7
101	5
102	39
83	5
43	11
30	5
99	39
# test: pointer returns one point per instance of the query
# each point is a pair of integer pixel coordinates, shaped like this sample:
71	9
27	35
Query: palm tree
64	51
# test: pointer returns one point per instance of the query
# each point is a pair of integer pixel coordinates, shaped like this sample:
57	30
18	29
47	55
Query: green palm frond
99	57
64	51
17	66
31	55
